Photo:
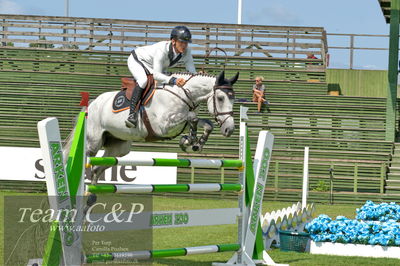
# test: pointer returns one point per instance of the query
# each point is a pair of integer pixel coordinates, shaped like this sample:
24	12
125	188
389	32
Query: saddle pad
120	102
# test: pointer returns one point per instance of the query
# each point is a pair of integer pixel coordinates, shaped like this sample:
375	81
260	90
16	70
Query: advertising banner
25	164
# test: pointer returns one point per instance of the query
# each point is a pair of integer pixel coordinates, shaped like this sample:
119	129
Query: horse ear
234	79
221	78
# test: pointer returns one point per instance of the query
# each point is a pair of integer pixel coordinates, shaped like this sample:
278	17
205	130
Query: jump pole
205	163
122	189
161	253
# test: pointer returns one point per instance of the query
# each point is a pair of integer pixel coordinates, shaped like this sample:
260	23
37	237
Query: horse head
220	104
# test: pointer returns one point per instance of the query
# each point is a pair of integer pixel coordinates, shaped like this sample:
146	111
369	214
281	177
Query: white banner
26	164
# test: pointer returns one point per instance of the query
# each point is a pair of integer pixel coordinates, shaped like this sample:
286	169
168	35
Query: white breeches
137	72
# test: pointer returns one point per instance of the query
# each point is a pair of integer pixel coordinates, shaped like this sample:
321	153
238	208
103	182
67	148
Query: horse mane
194	75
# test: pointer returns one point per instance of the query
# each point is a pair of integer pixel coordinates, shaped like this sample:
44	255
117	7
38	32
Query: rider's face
180	47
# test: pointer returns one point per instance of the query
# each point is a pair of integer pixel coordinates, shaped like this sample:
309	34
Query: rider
156	59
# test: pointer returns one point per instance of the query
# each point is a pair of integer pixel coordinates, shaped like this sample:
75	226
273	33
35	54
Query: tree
41	45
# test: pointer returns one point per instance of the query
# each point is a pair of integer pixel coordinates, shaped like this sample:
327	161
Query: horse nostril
228	132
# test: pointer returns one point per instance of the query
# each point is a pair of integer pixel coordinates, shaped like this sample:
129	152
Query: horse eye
221	98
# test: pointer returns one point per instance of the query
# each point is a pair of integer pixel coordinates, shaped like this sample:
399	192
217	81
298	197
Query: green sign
169	219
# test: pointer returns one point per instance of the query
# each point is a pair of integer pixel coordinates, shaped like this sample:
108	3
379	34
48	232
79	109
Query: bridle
227	89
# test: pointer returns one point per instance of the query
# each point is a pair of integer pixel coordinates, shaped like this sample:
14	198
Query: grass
197	236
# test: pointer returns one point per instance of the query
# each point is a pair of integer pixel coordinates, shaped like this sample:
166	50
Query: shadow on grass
289	257
181	262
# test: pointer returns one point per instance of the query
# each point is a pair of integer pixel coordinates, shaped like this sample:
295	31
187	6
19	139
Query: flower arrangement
375	224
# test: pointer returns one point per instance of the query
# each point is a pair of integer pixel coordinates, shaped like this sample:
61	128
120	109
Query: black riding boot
133	113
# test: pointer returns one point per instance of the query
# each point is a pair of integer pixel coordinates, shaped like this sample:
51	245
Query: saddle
122	99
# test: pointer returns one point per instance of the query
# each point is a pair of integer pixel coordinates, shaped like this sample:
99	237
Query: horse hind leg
93	145
113	147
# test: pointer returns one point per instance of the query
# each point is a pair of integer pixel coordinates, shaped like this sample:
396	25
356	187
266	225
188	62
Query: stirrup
131	121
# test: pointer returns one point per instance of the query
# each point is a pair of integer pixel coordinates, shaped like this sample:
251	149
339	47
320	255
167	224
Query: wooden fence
124	35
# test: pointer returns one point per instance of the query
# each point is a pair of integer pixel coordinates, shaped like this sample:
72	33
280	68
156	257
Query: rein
192	106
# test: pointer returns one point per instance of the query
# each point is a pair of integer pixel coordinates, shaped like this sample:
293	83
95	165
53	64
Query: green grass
197	236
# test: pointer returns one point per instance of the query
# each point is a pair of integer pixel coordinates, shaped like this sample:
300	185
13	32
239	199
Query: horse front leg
208	127
191	138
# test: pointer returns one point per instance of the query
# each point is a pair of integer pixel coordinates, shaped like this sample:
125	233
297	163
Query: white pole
305	178
239	15
67	8
66	11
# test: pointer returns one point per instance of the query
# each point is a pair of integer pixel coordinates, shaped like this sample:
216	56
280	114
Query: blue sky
339	16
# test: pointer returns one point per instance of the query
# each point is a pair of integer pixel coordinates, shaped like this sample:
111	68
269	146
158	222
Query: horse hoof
85	210
184	143
196	148
91	200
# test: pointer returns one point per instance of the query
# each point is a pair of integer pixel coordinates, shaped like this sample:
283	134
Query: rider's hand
180	82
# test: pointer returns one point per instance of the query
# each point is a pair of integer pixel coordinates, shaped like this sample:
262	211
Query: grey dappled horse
171	111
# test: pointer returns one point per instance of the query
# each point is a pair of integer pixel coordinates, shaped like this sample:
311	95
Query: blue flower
379	212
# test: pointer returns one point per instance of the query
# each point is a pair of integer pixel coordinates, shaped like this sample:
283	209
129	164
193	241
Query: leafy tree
41	45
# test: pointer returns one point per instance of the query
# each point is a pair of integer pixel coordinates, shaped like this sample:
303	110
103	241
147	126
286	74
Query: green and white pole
198	163
123	189
161	253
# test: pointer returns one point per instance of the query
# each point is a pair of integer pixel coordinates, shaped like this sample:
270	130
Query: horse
170	111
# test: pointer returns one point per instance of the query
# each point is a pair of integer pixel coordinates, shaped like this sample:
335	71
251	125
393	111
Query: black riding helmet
181	33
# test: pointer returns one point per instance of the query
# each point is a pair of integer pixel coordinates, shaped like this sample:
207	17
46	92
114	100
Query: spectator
311	56
311	66
258	92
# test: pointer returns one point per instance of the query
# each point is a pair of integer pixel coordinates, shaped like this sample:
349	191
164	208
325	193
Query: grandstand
43	69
